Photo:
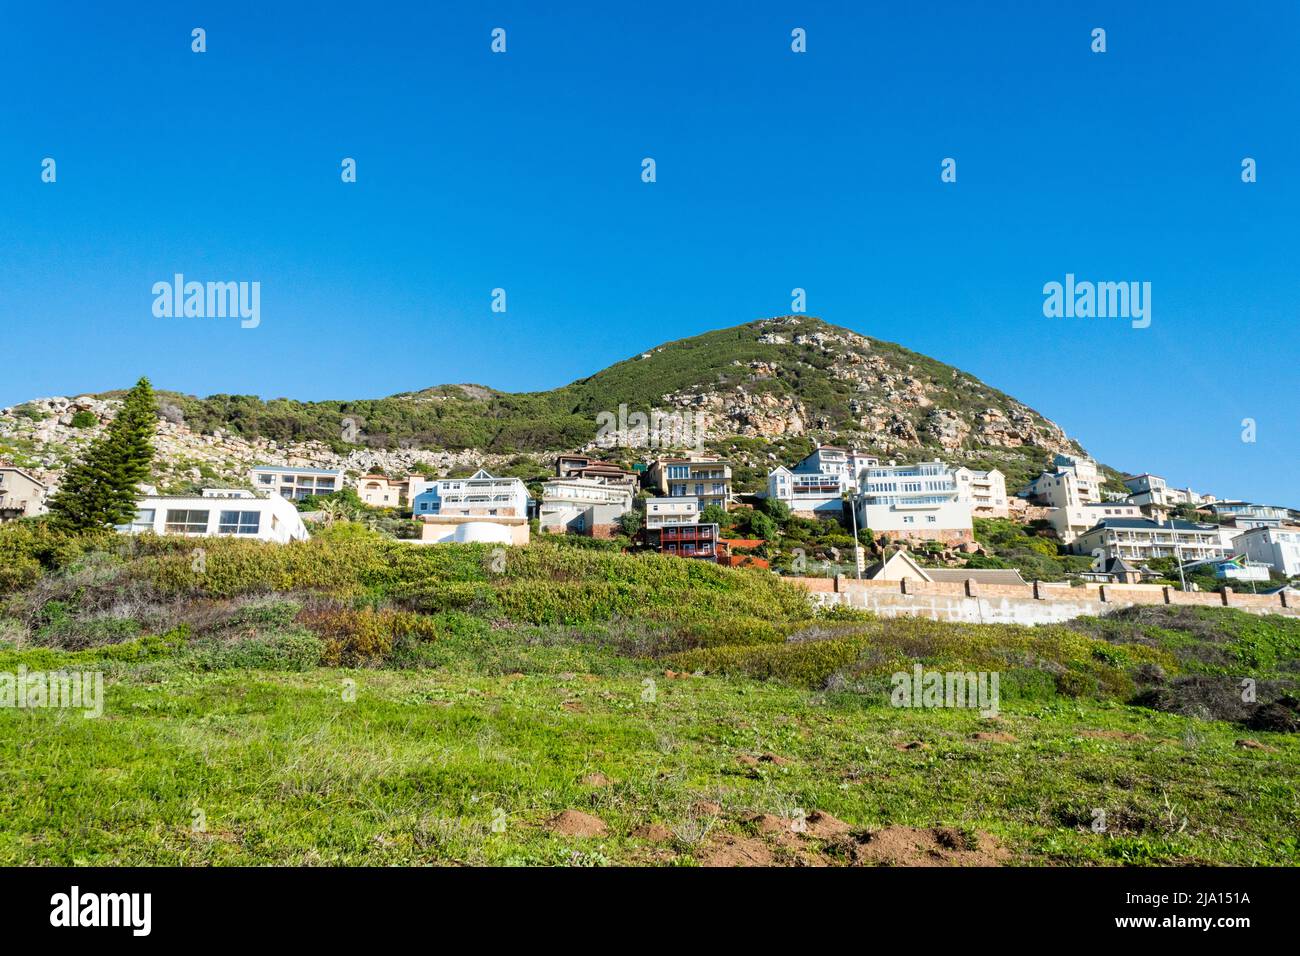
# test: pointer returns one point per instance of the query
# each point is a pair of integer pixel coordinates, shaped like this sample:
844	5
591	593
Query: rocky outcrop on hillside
892	405
41	437
772	381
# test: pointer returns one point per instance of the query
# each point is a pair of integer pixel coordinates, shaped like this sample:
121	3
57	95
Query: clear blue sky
775	170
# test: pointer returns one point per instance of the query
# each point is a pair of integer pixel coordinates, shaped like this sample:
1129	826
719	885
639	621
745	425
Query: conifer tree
99	491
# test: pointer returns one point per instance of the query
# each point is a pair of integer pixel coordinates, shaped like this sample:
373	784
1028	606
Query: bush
292	650
354	638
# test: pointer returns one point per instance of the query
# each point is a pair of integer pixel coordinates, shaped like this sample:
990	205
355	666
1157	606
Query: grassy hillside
359	700
753	379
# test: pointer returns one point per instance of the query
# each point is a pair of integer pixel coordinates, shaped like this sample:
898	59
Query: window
679	471
239	522
143	521
186	522
908	519
266	479
930	519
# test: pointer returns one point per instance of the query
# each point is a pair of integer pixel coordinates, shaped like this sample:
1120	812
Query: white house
984	491
297	483
1072	521
1140	539
815	484
583	505
21	494
915	502
661	512
1279	547
1244	514
481	495
1074	481
219	512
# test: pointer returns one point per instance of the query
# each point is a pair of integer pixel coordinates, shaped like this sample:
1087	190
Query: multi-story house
918	502
481	495
21	495
708	479
1140	539
1074	481
1244	514
1073	521
379	491
984	491
816	484
581	466
1278	547
296	483
694	540
219	512
1150	493
665	511
583	506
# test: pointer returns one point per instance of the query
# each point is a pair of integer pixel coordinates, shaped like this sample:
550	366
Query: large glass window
186	522
143	521
239	522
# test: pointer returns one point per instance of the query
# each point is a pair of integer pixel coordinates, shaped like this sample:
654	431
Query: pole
1178	552
857	565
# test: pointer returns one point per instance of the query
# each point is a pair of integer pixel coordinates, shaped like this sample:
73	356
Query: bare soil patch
578	824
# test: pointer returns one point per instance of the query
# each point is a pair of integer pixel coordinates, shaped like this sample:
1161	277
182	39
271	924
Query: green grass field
231	735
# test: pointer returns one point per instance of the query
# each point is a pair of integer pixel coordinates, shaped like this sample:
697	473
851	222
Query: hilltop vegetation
354	699
768	390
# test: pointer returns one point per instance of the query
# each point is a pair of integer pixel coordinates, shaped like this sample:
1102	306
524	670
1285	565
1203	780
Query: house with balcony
665	511
296	483
1141	539
582	466
1074	480
1245	515
815	485
583	506
694	540
480	495
984	491
708	479
917	503
1278	547
380	491
1072	521
21	494
219	512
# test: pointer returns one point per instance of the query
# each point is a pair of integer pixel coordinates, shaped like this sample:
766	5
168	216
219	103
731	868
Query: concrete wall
1017	604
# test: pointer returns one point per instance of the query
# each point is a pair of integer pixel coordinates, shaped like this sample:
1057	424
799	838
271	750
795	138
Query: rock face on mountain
763	391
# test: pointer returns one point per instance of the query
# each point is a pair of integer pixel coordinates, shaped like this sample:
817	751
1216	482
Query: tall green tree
99	491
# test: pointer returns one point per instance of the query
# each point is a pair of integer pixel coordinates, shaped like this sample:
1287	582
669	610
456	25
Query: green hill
769	387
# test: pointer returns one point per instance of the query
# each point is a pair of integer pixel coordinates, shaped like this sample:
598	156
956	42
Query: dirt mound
706	808
1113	735
595	780
579	824
994	737
912	846
751	761
1248	743
728	849
823	825
913	745
654	833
